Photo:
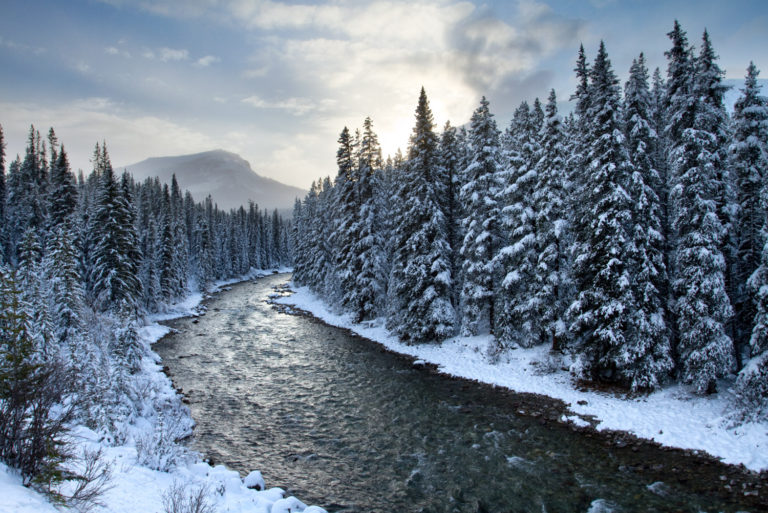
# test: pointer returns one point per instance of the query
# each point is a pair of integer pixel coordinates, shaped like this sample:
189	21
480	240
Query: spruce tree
703	309
552	288
749	164
114	275
749	157
602	266
3	201
63	195
479	198
648	337
368	250
519	311
345	212
421	274
452	159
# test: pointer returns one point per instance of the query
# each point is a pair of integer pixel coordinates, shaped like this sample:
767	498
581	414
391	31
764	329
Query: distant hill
227	177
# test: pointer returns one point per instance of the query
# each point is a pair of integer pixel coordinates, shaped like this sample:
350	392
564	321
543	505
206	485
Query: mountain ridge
226	176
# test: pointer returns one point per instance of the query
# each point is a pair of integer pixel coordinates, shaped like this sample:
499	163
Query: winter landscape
384	256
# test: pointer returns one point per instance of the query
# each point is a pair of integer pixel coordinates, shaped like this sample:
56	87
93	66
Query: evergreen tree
519	312
749	157
345	212
704	349
552	289
368	250
421	275
27	193
481	224
3	200
452	165
114	275
63	190
749	164
648	336
67	299
602	265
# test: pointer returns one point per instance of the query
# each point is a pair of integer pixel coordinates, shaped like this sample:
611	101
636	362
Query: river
339	422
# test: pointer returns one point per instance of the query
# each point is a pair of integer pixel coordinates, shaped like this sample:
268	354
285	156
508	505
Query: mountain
227	177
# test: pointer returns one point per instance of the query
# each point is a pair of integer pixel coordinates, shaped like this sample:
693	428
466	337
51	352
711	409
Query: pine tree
3	200
749	157
552	289
519	312
63	194
749	164
114	275
602	265
67	300
421	275
345	212
452	166
704	349
481	224
648	338
33	413
27	193
368	250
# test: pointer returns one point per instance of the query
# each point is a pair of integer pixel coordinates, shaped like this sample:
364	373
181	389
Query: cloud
21	47
81	123
171	54
82	67
296	106
112	50
206	61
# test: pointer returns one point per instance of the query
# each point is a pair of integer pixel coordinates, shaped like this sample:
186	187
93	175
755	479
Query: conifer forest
619	228
630	233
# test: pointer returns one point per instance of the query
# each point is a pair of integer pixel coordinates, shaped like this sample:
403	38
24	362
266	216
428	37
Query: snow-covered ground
672	416
135	487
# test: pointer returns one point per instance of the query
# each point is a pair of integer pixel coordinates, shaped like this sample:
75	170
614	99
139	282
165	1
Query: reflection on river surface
340	423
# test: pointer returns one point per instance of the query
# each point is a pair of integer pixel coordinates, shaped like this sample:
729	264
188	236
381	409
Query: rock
255	480
288	505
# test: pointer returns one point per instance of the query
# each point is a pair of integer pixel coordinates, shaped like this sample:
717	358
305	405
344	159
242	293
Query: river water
339	422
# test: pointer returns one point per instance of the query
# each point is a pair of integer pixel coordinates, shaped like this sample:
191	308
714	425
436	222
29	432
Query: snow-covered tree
749	157
518	307
602	266
368	249
481	227
114	275
648	336
3	200
749	165
452	160
421	275
703	309
345	212
552	289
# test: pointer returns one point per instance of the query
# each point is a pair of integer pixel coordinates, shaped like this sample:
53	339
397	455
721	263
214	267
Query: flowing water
341	423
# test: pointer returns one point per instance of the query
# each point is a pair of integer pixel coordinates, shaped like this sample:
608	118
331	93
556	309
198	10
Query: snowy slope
225	176
672	416
137	488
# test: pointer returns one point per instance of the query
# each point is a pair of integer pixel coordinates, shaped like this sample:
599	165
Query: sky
276	81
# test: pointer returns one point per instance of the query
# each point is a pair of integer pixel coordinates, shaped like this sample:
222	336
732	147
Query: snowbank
135	487
672	416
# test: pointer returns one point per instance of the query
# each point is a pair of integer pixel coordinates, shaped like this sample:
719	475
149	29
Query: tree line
630	233
82	260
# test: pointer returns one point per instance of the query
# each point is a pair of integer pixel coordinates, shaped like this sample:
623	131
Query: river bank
672	417
355	427
134	485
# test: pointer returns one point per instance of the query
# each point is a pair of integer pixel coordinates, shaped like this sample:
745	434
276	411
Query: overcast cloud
277	81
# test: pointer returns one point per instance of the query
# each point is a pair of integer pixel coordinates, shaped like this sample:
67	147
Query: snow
134	487
672	416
